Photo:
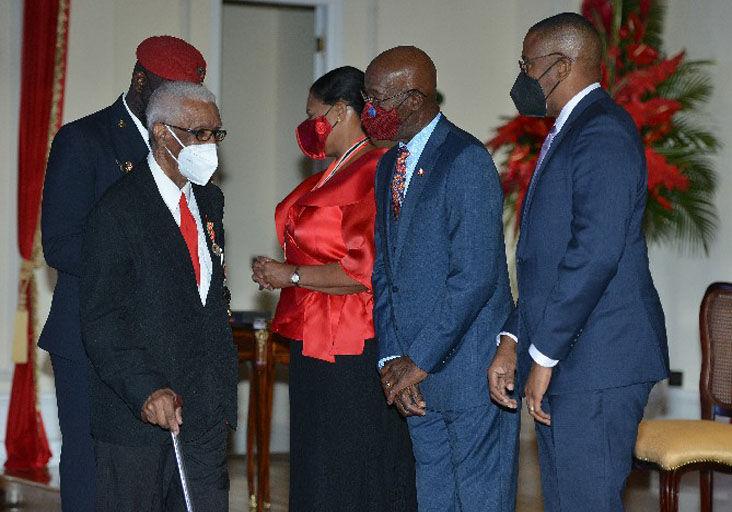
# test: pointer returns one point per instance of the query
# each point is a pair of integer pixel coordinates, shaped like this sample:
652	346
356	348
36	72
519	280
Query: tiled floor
642	494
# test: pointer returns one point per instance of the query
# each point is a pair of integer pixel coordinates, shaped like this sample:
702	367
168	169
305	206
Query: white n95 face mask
196	162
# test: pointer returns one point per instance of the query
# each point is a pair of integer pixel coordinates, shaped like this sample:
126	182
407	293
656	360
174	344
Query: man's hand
398	374
410	402
164	408
502	372
536	387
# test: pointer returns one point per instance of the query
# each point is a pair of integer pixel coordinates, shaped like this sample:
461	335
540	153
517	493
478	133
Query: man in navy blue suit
87	156
589	324
441	290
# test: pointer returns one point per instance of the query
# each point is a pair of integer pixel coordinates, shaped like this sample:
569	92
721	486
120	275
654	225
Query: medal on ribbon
216	248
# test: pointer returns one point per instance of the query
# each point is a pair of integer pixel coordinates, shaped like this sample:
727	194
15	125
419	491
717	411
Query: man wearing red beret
87	156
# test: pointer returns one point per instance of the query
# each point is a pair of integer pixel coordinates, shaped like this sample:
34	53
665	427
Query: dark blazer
87	156
143	324
441	291
586	297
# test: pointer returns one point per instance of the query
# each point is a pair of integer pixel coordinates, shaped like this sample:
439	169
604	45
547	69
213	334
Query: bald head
409	65
404	78
574	36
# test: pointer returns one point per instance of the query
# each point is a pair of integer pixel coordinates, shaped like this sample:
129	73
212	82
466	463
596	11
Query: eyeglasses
377	101
525	63
203	134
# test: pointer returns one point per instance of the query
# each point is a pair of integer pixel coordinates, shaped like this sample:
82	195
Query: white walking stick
182	472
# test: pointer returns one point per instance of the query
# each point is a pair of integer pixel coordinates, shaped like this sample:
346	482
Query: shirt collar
417	143
169	191
140	127
567	109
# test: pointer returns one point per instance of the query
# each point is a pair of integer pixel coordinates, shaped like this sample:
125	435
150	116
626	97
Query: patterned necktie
398	181
189	230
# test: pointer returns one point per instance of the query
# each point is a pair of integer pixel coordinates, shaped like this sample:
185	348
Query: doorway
268	54
268	60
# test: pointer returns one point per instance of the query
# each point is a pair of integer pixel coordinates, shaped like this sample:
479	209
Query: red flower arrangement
661	95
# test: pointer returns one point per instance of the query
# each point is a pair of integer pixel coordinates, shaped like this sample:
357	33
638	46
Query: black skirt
349	451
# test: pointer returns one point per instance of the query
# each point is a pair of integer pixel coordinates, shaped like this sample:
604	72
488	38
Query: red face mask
379	123
311	135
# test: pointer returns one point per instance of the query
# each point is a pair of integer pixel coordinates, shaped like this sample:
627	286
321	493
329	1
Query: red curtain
43	72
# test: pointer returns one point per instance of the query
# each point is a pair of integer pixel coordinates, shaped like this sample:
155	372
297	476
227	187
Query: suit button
519	261
395	289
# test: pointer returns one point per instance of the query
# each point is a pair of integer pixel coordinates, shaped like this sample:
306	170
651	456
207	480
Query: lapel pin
121	123
420	172
127	167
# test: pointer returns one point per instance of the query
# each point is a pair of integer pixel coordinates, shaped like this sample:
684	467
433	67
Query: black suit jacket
143	324
87	156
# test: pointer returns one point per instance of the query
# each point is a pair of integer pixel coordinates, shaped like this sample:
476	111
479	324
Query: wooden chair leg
251	431
706	490
269	392
669	495
264	380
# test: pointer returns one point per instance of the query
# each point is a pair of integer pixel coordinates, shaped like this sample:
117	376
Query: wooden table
263	350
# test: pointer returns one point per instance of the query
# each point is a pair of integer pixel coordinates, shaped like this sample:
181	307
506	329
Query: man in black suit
154	316
87	156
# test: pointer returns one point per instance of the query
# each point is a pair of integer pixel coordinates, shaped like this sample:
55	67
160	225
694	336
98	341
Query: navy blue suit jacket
586	297
87	156
441	291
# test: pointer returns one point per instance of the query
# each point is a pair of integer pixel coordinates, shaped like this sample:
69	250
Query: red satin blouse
333	223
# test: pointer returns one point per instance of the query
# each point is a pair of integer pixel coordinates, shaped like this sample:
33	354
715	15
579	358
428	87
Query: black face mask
528	95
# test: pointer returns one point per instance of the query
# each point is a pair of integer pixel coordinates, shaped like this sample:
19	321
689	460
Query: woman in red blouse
349	451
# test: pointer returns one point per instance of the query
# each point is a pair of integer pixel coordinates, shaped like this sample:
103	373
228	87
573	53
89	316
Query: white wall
702	29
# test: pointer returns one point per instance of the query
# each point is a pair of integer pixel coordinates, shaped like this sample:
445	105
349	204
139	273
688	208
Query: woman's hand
271	274
258	272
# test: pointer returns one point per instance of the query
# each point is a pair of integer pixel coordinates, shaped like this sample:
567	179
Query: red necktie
398	181
190	234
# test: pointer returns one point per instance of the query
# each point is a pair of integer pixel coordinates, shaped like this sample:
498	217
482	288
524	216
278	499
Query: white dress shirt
170	193
564	114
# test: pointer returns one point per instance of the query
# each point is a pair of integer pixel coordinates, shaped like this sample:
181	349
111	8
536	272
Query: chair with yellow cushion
675	447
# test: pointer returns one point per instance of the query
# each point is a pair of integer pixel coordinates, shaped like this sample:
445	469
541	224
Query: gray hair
166	103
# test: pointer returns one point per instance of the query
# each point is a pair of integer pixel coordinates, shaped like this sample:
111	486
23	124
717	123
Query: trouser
146	478
77	447
586	454
467	461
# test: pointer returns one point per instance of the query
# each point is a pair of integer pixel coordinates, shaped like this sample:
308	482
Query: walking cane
182	472
181	463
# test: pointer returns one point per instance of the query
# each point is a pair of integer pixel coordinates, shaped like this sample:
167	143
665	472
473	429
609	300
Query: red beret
172	58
